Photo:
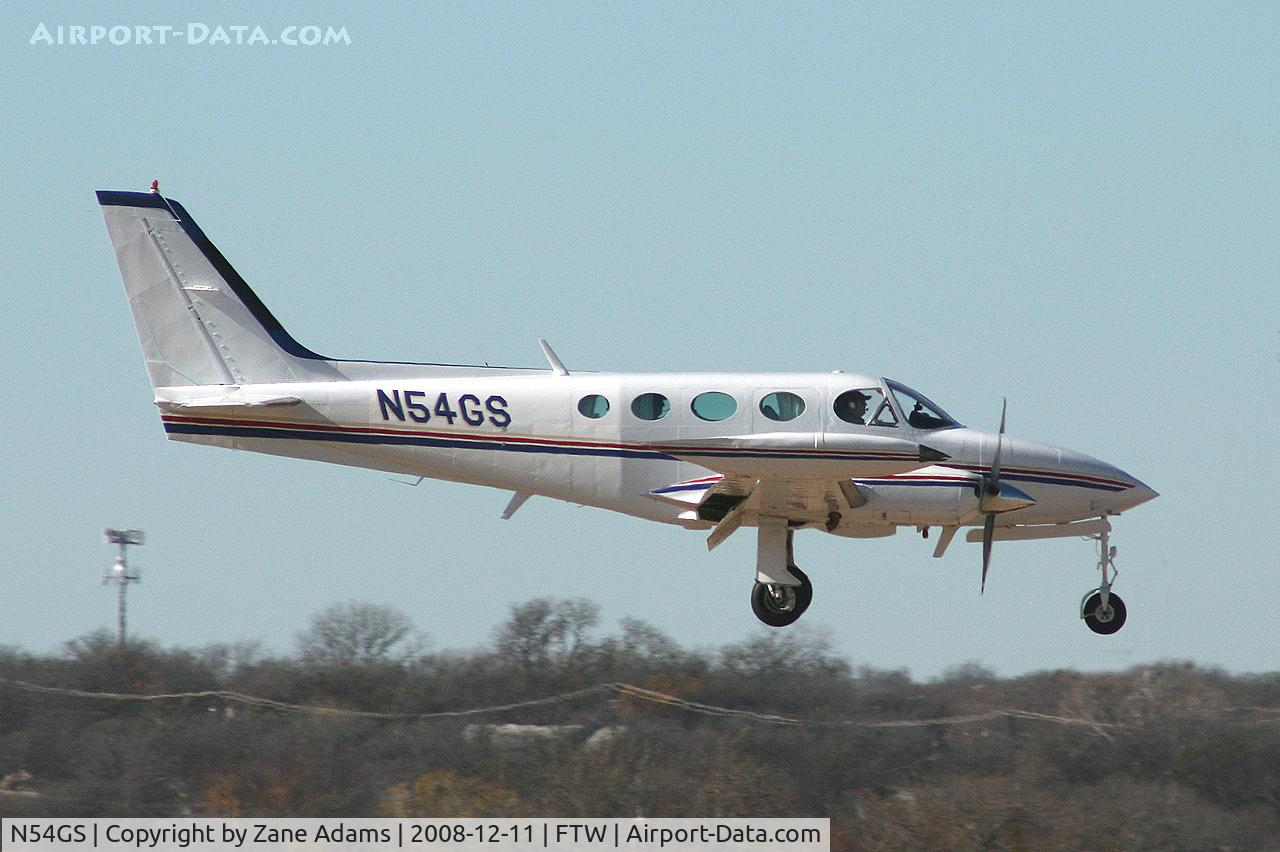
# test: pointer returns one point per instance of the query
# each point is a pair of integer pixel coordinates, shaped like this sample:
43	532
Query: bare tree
355	633
546	633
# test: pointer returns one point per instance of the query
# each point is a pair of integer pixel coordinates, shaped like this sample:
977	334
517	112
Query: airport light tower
120	573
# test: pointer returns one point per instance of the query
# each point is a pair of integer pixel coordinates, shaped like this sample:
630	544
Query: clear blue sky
1071	205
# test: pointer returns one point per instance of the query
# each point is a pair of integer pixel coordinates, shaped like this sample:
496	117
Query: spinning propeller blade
988	533
992	487
993	482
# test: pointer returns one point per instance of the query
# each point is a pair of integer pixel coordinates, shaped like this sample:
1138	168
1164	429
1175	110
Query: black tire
804	594
1100	621
776	606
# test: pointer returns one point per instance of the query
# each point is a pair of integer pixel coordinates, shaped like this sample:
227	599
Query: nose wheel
1105	618
1102	610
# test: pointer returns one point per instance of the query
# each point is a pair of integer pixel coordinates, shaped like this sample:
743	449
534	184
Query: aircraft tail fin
198	321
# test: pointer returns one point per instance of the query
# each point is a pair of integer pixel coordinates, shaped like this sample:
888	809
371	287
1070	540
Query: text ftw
418	407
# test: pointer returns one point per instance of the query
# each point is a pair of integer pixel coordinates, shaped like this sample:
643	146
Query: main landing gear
1102	610
778	605
782	592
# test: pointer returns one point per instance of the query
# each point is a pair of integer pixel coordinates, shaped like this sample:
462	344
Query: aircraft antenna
120	573
557	366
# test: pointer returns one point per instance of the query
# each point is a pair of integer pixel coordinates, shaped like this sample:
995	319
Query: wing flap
716	498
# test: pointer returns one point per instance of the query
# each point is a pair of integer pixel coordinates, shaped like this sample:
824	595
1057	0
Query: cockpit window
919	411
865	406
884	415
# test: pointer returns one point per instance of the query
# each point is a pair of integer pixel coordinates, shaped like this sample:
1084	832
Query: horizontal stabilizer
233	400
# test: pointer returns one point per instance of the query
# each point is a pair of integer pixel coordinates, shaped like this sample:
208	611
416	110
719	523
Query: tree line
1165	756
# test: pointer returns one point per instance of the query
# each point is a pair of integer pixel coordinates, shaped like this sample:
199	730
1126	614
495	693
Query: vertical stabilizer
198	321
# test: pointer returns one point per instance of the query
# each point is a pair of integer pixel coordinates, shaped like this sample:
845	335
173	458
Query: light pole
120	573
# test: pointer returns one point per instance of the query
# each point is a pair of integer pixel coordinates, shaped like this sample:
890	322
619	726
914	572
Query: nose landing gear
1102	610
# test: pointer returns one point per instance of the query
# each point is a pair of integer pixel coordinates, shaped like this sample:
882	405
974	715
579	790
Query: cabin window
650	406
865	406
714	405
782	406
593	405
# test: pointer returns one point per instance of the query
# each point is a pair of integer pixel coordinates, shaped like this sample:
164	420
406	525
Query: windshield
918	410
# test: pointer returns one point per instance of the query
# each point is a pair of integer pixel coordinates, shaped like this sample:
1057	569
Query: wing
813	501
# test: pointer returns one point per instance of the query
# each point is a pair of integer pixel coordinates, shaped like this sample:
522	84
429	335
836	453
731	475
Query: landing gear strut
776	601
1102	610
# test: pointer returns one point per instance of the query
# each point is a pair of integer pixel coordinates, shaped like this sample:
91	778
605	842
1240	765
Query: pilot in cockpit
853	407
922	419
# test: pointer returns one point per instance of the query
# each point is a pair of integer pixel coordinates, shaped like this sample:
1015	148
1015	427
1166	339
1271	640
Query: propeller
994	498
990	490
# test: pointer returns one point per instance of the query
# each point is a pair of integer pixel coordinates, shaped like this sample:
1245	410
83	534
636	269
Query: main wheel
1104	620
775	605
779	606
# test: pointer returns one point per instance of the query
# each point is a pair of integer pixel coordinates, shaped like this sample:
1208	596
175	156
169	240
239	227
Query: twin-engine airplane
852	455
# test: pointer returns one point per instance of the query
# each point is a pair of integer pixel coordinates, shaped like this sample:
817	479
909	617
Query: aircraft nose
1125	491
1135	495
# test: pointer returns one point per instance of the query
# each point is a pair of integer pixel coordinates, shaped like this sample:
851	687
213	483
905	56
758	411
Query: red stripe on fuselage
878	455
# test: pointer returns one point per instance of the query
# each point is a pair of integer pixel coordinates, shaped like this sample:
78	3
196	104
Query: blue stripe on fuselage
406	440
481	443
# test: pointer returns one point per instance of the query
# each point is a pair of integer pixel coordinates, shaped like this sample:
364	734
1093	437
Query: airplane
847	454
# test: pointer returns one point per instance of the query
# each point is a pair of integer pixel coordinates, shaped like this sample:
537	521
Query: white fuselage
523	431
